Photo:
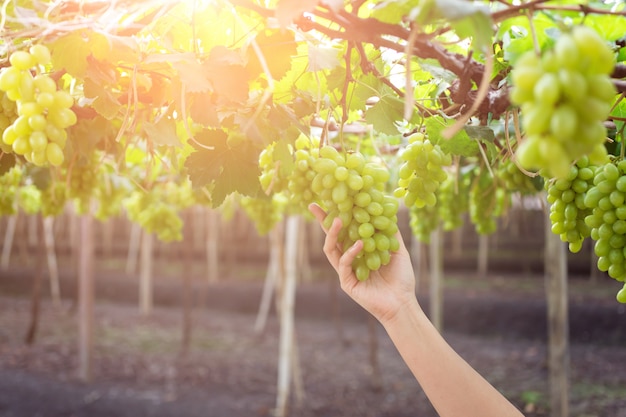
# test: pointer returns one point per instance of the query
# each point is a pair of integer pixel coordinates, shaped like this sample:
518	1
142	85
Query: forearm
454	388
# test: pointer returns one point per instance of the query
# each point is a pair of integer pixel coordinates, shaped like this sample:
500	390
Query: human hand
387	291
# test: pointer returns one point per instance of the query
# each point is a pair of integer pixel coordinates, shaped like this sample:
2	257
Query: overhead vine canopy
174	102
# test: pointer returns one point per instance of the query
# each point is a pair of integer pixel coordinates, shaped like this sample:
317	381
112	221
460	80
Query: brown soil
230	371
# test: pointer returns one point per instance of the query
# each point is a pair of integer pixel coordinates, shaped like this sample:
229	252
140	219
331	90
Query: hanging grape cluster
565	96
567	204
43	111
300	179
421	172
157	211
513	179
53	198
9	185
351	188
8	114
29	199
264	212
83	182
487	202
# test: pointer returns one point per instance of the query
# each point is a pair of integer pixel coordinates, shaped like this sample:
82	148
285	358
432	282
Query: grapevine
53	198
565	96
9	185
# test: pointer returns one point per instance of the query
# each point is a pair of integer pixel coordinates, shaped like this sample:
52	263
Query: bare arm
454	388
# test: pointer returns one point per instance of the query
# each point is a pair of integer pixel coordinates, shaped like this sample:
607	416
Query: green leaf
71	51
162	133
322	58
277	48
228	169
202	109
192	75
105	103
229	78
384	115
481	133
460	144
619	111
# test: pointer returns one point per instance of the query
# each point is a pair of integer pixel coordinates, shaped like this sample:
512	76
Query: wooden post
133	248
274	270
53	269
436	279
287	336
212	248
85	298
8	242
558	334
483	255
145	274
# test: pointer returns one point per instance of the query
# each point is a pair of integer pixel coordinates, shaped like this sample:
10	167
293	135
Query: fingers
318	213
344	267
331	248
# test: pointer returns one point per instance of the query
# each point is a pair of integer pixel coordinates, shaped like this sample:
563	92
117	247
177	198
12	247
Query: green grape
265	213
423	221
568	210
453	201
422	172
109	194
621	295
352	188
40	54
562	109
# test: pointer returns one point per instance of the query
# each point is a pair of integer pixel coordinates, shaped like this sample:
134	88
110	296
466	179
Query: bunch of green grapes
273	177
608	217
422	172
154	215
44	111
83	182
264	212
8	114
53	199
453	201
565	96
109	195
487	202
351	188
29	199
514	179
9	184
301	177
424	221
567	203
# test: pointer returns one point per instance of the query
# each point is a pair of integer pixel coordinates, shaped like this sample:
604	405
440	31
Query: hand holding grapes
387	290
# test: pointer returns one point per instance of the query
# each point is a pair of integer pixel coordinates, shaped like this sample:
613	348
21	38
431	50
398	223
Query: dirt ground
230	371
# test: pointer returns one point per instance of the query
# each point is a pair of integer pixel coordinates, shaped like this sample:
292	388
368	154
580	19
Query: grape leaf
227	169
163	132
224	68
105	103
619	111
202	109
321	57
71	51
277	48
460	144
288	10
384	114
192	75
